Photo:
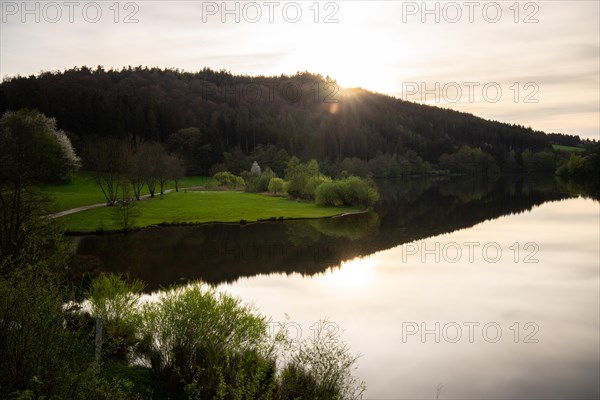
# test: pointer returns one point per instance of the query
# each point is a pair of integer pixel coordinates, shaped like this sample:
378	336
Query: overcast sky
532	63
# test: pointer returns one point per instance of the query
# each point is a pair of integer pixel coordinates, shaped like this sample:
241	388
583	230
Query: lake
456	289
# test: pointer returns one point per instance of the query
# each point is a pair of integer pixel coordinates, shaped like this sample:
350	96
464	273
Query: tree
178	171
169	167
227	179
136	171
32	151
153	153
188	144
124	211
302	178
107	158
255	169
276	185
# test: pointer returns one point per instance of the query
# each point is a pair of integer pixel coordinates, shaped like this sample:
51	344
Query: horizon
333	79
524	63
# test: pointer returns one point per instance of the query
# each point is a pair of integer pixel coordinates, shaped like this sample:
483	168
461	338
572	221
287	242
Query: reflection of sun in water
351	275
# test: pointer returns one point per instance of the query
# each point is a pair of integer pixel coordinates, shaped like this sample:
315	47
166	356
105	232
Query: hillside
305	115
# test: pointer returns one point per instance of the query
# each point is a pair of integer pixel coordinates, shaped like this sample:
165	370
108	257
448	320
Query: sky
534	63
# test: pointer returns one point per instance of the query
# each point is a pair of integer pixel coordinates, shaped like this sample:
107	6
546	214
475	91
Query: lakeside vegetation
201	207
190	342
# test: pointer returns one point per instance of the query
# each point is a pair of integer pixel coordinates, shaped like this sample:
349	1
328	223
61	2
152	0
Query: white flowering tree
255	169
32	151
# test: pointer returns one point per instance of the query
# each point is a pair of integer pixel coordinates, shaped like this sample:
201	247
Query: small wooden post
98	339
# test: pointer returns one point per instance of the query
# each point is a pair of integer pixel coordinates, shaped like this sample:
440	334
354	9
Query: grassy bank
202	207
82	191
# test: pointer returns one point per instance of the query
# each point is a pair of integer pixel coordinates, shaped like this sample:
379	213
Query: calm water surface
374	298
488	293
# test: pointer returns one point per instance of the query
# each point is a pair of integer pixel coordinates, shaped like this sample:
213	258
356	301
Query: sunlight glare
351	274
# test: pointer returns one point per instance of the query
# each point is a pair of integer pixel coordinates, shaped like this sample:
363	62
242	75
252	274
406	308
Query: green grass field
568	149
201	207
82	191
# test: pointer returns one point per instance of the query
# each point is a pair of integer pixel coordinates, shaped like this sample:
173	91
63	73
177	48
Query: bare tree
170	168
107	159
136	170
152	153
124	212
178	171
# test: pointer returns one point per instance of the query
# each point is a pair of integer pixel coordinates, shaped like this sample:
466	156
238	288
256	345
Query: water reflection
515	322
518	325
409	210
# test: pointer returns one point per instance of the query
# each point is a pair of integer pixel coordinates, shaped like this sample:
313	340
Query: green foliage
312	184
259	183
352	191
470	161
543	161
574	166
115	301
96	383
321	367
302	178
40	357
33	150
329	194
195	334
25	233
227	179
188	143
584	170
276	186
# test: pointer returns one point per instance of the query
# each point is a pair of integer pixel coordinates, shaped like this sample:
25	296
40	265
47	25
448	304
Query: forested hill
305	114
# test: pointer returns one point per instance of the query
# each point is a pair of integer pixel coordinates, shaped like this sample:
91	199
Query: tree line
214	117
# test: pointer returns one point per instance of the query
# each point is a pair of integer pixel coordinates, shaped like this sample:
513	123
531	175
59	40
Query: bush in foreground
198	343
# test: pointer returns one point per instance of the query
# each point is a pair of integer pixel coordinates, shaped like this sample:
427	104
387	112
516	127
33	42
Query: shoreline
241	222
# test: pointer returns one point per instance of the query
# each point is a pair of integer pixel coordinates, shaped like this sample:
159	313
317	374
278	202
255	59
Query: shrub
40	357
115	301
227	179
328	194
312	183
259	184
298	175
321	368
277	186
204	339
352	191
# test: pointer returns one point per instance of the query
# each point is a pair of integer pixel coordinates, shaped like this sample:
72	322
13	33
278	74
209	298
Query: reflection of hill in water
409	210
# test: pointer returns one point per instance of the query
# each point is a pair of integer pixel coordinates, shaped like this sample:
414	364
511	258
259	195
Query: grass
82	191
568	149
202	207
